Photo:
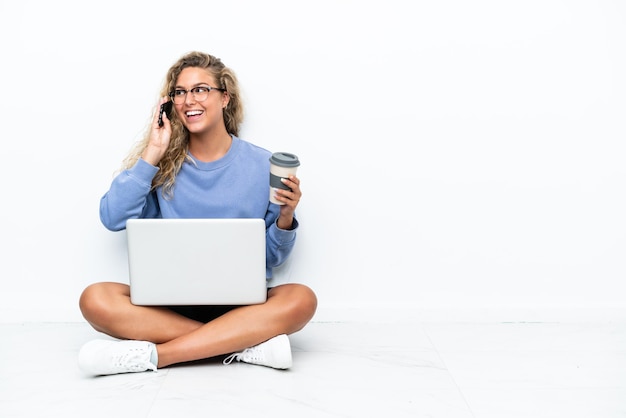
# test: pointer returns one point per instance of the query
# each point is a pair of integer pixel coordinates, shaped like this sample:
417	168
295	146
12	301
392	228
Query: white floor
356	369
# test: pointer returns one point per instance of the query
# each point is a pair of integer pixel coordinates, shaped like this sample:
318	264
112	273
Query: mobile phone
165	108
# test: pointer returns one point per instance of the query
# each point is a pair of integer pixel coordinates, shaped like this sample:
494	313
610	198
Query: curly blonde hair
177	151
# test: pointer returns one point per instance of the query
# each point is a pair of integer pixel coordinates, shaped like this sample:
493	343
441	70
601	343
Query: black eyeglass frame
173	96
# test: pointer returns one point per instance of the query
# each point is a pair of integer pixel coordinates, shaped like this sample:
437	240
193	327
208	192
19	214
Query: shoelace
134	359
249	354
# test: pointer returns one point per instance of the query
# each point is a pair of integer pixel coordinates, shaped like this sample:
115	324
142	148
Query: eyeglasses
199	93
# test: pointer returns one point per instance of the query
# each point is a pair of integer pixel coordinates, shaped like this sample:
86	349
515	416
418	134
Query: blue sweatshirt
235	186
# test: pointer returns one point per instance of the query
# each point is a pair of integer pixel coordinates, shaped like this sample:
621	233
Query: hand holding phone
165	108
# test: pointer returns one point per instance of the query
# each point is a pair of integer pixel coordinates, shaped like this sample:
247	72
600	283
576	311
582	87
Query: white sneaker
100	357
275	352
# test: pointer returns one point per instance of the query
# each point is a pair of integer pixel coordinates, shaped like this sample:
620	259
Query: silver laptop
196	261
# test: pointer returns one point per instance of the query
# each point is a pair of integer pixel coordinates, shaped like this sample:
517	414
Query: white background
456	155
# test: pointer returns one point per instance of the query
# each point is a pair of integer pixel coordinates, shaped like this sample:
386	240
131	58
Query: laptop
196	261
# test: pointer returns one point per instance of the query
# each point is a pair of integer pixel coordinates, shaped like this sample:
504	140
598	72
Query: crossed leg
107	307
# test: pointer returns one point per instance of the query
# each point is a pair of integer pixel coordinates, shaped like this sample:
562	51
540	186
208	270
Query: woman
196	166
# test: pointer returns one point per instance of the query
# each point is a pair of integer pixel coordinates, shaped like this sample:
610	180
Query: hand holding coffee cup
282	165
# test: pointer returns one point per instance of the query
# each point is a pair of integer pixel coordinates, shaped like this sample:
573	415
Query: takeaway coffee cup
282	165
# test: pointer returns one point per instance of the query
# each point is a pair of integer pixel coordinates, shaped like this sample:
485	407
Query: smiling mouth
193	113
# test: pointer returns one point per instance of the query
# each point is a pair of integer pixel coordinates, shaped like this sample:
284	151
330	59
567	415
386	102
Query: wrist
283	223
151	156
